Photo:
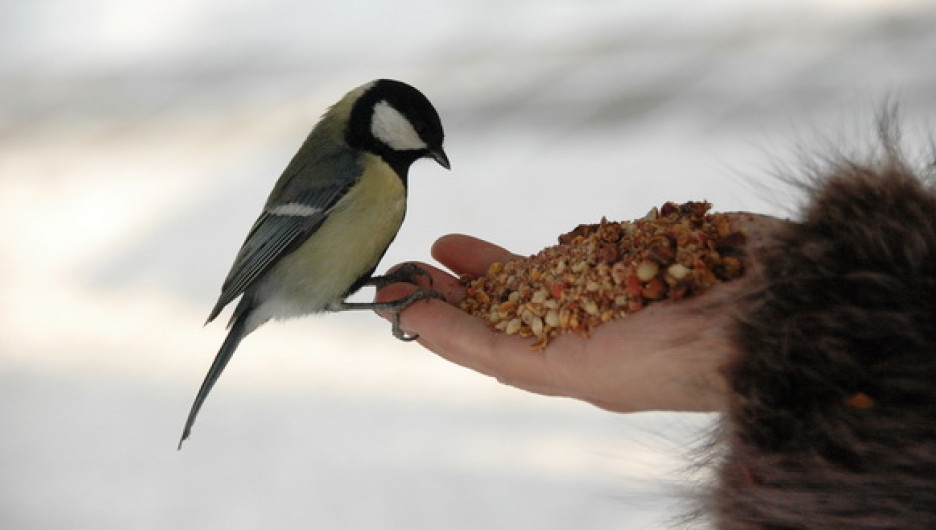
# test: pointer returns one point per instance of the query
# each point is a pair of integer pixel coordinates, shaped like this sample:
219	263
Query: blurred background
138	141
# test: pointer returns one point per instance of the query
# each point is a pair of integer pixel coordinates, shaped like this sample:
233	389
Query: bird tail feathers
238	330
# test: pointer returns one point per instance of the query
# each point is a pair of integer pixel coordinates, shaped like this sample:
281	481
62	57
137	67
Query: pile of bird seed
601	272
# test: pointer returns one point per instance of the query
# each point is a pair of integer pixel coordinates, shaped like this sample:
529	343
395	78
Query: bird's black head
396	122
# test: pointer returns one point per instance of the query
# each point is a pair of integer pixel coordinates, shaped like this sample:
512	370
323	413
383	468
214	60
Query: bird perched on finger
330	218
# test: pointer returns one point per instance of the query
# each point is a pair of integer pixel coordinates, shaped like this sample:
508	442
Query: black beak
439	156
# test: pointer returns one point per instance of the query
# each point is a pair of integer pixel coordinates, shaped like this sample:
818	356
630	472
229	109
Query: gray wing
302	199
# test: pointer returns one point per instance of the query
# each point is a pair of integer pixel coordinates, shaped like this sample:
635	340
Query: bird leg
394	307
406	273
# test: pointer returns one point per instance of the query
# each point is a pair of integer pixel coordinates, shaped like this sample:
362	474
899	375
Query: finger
755	222
468	255
468	341
755	227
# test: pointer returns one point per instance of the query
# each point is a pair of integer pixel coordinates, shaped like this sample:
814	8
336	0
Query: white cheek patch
393	129
294	209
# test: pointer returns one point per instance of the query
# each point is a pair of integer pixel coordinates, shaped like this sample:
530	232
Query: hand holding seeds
664	357
601	272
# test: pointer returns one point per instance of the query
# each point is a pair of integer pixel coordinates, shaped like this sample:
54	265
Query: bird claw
407	273
404	273
403	303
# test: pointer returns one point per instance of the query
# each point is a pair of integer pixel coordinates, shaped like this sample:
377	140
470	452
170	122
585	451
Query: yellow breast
347	245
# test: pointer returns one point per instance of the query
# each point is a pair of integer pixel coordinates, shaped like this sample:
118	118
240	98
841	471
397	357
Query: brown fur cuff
832	420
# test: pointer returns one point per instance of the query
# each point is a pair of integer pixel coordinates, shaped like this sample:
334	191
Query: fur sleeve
832	419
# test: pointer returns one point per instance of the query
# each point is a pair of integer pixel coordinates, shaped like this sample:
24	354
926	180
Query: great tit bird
330	218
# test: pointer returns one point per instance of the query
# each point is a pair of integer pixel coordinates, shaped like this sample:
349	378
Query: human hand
667	356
